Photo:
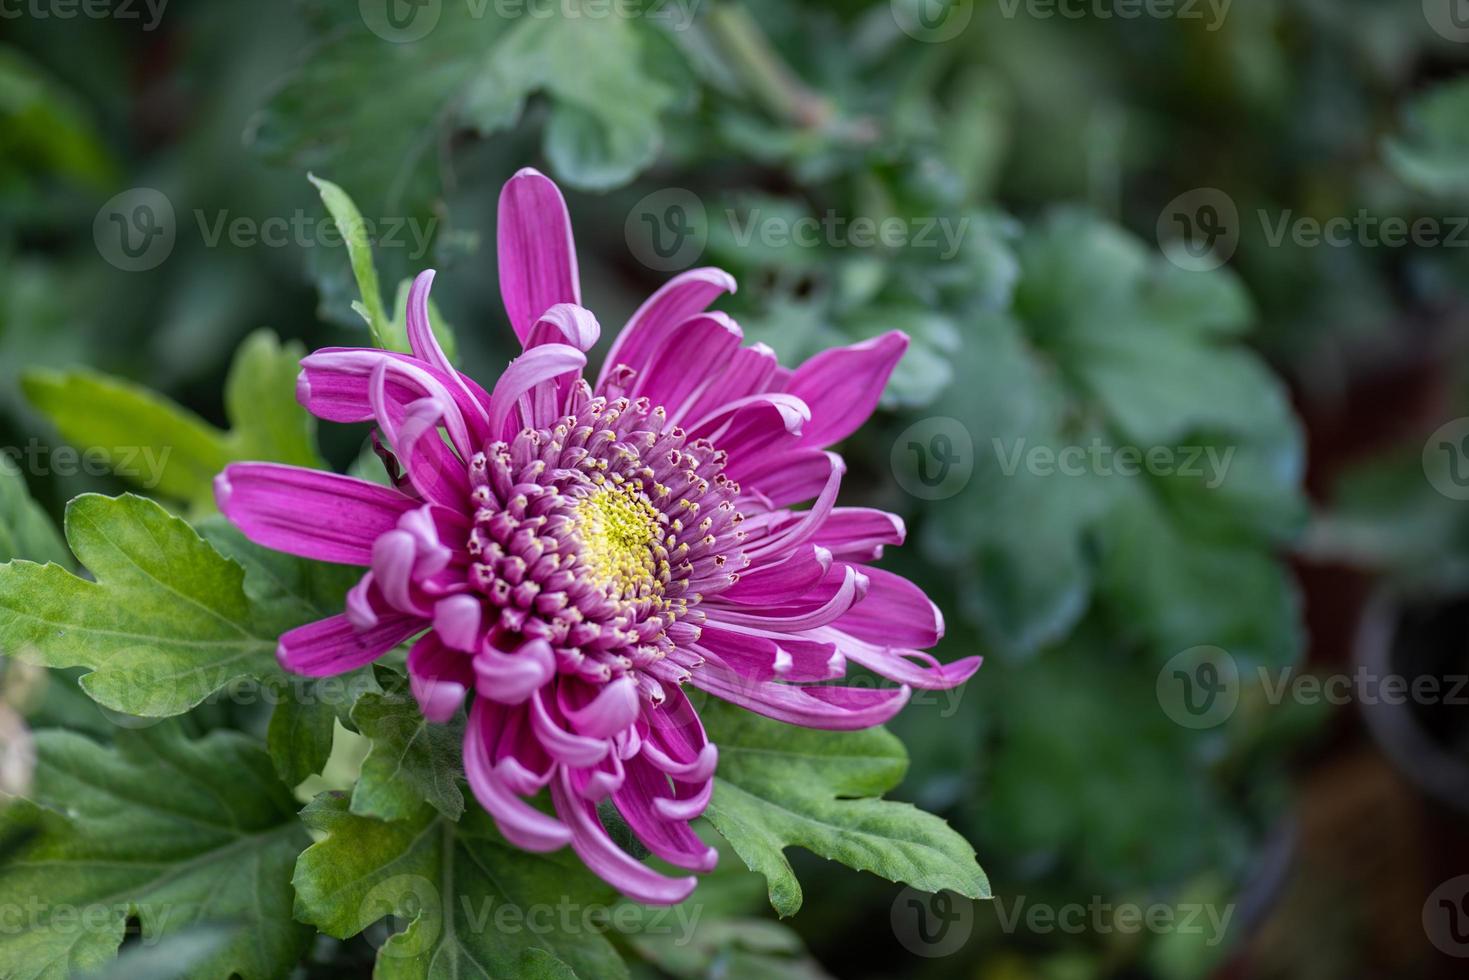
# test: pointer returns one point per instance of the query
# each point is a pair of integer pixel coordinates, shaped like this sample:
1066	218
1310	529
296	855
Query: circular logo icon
134	231
933	459
400	21
1199	688
1446	917
409	899
668	230
932	21
932	925
1448	18
1199	229
1446	459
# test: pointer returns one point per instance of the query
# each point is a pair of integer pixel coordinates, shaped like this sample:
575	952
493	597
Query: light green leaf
172	833
162	447
449	881
359	251
165	623
25	529
411	760
780	786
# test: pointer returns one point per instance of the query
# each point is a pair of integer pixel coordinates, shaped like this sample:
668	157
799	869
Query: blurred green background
1102	222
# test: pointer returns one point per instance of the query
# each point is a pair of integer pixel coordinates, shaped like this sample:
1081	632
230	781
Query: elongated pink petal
676	742
309	513
536	250
608	861
680	298
814	706
564	746
783	578
334	646
691	355
747	372
860	532
895	613
788	478
912	667
843	386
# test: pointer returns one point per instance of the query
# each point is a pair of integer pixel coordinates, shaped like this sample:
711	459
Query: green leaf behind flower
170	833
780	786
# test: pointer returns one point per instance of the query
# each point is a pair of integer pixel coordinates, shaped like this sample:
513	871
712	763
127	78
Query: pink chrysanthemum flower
573	554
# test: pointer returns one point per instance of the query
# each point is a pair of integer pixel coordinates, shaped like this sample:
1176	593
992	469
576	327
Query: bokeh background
1231	240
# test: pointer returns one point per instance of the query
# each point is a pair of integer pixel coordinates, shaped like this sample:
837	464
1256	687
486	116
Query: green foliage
1428	155
448	882
165	623
779	786
163	447
161	830
25	529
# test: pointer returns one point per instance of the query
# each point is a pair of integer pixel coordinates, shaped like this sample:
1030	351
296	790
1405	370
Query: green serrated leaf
165	623
449	881
411	760
780	786
164	448
171	833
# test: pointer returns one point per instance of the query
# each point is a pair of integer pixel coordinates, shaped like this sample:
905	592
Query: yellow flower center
620	542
